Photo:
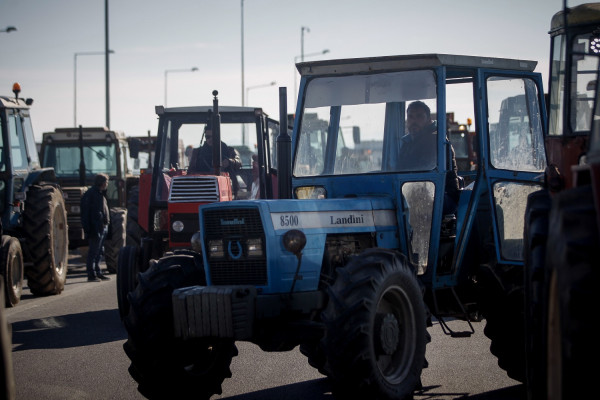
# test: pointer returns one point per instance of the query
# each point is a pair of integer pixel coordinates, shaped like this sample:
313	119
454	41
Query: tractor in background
77	155
562	221
34	221
167	204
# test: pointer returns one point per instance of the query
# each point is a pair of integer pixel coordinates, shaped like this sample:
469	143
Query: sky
155	45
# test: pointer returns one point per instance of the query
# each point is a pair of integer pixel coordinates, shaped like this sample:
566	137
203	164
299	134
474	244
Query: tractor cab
372	95
171	193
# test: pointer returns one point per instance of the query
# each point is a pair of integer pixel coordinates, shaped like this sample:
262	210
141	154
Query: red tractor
163	213
562	245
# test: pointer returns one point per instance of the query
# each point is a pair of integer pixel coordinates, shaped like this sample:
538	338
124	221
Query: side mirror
356	134
134	148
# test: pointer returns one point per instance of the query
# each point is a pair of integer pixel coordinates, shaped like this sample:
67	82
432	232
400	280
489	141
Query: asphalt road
70	346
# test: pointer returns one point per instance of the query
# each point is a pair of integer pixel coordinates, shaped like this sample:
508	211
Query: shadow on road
72	330
516	392
320	389
316	389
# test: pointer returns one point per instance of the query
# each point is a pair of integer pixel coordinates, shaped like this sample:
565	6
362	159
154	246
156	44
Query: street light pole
193	69
83	53
242	10
106	66
304	28
325	51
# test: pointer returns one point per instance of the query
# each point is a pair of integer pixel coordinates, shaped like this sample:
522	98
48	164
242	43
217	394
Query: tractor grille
233	228
72	196
185	189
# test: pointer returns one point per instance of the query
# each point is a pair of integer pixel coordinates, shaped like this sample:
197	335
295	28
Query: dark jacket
201	160
95	215
418	153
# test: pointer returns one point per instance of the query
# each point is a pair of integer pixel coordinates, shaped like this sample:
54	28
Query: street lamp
256	87
8	29
325	51
247	97
193	69
82	53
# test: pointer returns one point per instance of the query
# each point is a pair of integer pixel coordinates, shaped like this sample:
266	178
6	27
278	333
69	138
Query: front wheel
375	327
11	269
165	366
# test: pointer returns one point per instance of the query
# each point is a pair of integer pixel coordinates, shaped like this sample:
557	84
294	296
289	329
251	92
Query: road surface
70	346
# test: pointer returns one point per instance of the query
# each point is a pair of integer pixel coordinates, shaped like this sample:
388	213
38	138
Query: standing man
95	217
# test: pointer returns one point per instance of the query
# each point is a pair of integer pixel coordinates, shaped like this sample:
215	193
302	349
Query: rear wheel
501	291
375	327
165	366
11	269
134	230
46	244
127	276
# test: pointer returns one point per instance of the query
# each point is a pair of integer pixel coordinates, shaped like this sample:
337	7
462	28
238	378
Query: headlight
294	241
177	226
215	248
255	248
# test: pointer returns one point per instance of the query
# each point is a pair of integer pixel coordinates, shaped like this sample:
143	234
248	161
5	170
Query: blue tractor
34	222
366	243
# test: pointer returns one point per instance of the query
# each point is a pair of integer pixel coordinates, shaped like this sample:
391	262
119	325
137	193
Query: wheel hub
389	333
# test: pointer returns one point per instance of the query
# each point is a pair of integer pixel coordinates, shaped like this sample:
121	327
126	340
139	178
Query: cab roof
582	14
409	62
11	102
205	109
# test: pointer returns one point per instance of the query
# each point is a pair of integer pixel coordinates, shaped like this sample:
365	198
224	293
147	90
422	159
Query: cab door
514	154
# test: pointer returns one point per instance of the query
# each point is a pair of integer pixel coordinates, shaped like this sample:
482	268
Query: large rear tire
375	327
118	219
11	269
127	276
572	256
536	283
134	230
47	243
503	306
165	366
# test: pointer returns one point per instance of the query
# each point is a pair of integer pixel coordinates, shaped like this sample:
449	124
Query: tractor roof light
16	89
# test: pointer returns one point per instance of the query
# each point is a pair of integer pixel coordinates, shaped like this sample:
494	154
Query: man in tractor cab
418	150
201	160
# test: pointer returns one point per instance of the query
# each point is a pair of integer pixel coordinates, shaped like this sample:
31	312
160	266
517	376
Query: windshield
190	135
357	124
584	72
65	158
